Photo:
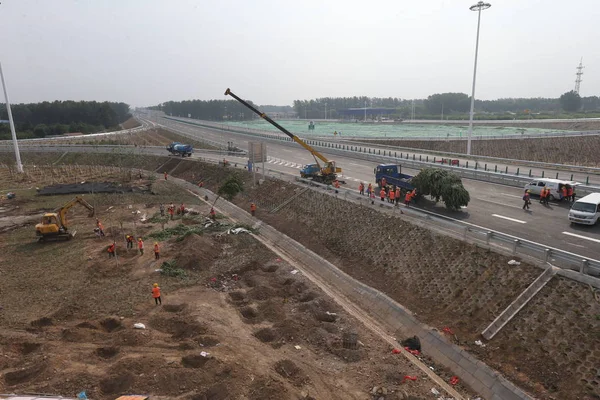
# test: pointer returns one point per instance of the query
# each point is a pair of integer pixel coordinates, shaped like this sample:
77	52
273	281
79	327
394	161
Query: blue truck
393	177
180	149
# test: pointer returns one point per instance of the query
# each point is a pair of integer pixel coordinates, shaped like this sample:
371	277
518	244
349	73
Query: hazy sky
145	52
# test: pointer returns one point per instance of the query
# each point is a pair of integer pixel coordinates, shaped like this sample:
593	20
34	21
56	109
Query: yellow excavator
325	173
54	225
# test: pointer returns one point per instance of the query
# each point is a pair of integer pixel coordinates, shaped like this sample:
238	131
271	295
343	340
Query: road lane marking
576	245
581	237
510	219
512	195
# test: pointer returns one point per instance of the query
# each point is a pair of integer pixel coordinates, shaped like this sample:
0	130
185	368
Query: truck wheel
551	198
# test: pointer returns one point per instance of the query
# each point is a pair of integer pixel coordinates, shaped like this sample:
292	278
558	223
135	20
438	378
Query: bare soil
572	150
67	315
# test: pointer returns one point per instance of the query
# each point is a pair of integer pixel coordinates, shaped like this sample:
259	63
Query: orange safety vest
252	207
156	292
212	211
408	196
392	195
336	184
382	193
361	187
564	191
100	226
111	248
543	193
570	191
370	187
397	193
140	244
156	250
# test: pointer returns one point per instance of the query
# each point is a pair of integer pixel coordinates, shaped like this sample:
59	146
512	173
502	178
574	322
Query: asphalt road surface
493	206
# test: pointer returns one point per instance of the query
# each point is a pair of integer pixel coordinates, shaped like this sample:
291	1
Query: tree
231	187
441	184
41	130
570	101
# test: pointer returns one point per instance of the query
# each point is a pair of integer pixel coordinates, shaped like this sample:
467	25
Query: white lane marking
511	195
495	202
356	165
356	180
510	219
576	245
288	164
581	237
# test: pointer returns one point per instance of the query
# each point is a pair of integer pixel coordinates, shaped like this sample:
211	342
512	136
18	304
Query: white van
555	185
586	210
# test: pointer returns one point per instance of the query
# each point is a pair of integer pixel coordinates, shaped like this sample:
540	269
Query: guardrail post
547	255
467	164
384	153
400	155
427	159
571	177
413	157
583	267
485	167
587	180
495	168
476	164
543	173
379	152
515	245
557	175
395	155
488	236
517	171
419	157
530	172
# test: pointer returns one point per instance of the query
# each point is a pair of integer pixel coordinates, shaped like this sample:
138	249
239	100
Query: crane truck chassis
327	173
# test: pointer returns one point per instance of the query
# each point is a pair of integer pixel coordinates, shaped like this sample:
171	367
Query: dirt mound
117	383
266	335
27	347
272	310
196	252
267	389
262	293
269	268
207	341
76	335
179	327
106	352
42	322
24	374
111	324
250	314
195	361
86	325
216	392
237	297
289	370
174	307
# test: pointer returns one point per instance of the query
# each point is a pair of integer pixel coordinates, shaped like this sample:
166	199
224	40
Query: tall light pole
12	124
477	7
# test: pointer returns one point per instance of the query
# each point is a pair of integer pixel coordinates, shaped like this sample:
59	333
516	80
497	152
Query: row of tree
210	110
59	117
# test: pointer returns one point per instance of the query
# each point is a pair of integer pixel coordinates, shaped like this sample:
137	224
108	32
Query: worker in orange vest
407	199
382	194
563	193
213	214
361	188
369	189
100	227
253	209
171	211
156	294
141	246
397	195
392	196
570	192
156	251
165	175
543	195
111	250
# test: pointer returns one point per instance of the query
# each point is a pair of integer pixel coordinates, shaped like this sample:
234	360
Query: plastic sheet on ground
139	325
236	231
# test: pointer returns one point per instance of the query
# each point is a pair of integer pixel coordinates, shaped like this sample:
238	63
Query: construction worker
111	250
156	294
372	196
526	200
213	214
336	185
100	227
573	194
141	246
171	211
407	199
563	192
182	209
361	189
570	192
156	251
369	190
165	175
253	209
392	196
162	209
201	184
129	240
382	194
397	195
543	196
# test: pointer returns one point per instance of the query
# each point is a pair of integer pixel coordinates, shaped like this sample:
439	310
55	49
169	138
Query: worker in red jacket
407	199
111	250
156	294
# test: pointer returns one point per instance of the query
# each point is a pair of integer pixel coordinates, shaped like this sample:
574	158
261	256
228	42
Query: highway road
493	206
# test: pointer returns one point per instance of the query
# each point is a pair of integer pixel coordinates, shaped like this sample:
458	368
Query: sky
145	52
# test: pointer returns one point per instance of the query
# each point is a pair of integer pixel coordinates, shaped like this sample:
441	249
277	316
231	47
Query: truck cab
393	176
310	171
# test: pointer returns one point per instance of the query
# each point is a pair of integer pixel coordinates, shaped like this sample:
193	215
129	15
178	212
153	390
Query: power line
579	73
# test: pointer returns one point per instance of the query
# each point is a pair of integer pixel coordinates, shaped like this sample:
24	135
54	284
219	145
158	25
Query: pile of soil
196	252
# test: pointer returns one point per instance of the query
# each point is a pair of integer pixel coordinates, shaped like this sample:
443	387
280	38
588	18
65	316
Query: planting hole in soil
44	321
194	361
266	335
110	324
28	347
207	341
269	268
107	352
117	384
217	392
249	313
174	307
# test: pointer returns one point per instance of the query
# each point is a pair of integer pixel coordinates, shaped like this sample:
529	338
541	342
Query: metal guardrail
479	234
85	136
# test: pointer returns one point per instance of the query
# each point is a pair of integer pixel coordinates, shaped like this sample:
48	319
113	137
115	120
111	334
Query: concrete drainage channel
363	301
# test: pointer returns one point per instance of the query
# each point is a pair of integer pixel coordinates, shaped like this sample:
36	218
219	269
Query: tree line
60	117
209	110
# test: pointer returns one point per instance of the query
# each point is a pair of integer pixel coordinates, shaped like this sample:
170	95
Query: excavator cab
54	225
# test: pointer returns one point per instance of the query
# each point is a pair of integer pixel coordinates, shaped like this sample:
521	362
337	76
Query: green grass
169	268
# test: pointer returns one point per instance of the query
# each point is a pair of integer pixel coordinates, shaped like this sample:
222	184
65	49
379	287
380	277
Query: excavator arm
329	165
62	212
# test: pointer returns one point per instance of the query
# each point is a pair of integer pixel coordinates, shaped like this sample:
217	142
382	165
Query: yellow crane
54	225
326	173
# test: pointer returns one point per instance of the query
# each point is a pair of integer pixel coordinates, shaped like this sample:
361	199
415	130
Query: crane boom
329	168
62	212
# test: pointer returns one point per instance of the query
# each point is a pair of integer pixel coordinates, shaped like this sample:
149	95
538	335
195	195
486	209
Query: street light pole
12	124
477	7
